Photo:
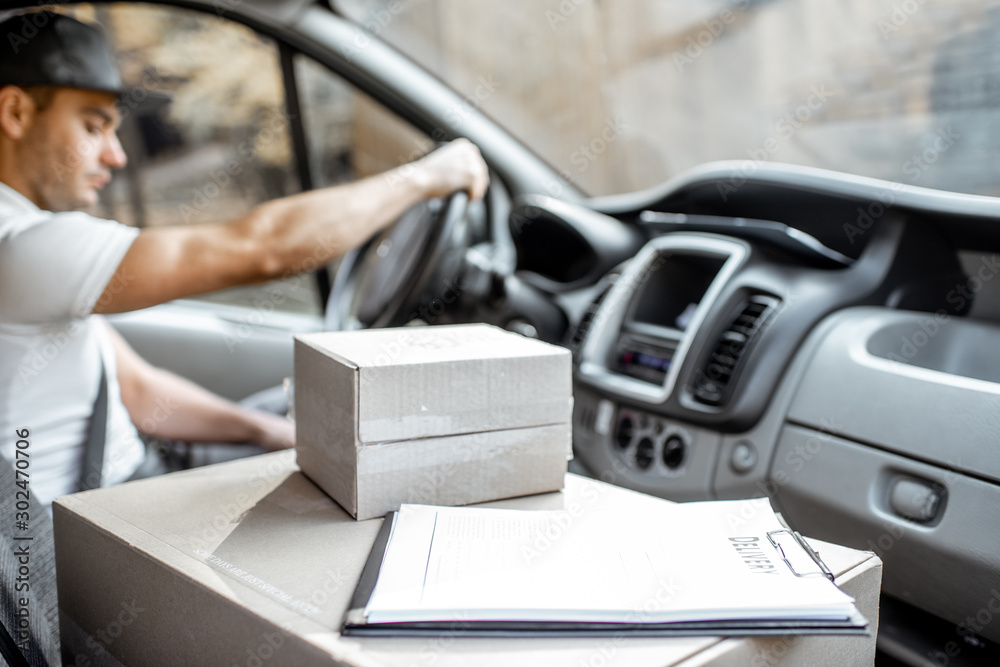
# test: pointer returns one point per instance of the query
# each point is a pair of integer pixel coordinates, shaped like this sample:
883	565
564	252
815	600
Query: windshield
620	95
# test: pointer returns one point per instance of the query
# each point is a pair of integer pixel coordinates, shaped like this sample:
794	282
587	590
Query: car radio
644	327
643	361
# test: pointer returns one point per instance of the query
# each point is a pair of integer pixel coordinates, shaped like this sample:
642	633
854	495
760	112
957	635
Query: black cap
48	49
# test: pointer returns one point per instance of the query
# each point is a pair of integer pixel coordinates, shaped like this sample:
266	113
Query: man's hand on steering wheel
416	260
455	166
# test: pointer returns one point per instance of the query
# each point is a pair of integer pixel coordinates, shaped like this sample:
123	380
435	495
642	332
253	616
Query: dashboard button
674	449
602	420
644	453
744	457
916	500
709	392
624	432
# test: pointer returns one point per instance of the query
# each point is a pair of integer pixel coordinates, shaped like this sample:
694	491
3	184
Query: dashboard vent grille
720	369
580	333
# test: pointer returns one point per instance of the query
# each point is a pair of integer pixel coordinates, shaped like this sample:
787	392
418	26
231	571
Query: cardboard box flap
424	382
425	345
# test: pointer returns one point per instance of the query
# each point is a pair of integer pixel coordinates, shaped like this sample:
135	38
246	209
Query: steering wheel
386	281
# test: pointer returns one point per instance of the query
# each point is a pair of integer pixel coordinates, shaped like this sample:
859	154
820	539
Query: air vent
719	371
580	333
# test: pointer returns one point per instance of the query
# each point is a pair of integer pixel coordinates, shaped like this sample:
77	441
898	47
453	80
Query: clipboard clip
824	570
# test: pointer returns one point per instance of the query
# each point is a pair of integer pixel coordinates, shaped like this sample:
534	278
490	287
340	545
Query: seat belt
93	452
38	632
32	638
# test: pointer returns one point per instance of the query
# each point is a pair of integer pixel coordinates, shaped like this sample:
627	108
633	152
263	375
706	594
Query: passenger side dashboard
860	396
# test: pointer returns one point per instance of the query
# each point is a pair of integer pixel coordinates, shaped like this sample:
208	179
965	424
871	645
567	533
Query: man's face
71	149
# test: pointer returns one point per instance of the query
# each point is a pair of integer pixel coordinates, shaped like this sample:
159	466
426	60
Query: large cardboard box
248	563
447	415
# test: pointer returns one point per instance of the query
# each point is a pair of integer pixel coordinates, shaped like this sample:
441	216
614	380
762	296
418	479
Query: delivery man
60	268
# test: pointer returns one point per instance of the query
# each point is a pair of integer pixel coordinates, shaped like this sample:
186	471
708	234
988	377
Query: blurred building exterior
862	86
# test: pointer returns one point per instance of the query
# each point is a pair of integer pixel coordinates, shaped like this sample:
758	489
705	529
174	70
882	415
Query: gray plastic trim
597	457
902	381
809	179
836	490
608	321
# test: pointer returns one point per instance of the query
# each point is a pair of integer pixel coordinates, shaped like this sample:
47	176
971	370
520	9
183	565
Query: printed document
706	561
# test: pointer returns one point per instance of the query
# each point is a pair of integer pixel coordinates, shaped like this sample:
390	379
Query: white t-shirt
53	269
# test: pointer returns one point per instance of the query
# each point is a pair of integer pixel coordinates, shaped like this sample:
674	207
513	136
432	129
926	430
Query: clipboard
356	623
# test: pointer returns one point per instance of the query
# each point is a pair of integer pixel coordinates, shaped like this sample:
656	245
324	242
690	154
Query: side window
221	144
349	135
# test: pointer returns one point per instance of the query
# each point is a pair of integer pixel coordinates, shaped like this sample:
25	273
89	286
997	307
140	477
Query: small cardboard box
249	563
447	415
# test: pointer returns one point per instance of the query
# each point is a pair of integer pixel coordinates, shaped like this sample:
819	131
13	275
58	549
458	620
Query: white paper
685	562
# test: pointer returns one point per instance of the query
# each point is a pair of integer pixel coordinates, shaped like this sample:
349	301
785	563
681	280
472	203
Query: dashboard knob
744	457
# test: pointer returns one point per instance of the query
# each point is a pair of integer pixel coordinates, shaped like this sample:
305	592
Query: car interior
745	328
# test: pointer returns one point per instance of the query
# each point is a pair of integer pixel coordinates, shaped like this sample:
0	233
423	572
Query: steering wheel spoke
389	280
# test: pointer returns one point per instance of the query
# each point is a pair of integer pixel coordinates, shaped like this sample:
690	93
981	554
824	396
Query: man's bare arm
283	236
168	406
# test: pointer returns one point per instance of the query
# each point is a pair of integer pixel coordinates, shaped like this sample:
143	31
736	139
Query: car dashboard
824	340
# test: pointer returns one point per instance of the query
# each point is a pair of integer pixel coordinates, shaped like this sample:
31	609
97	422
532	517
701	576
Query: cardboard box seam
304	339
448	362
362	445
